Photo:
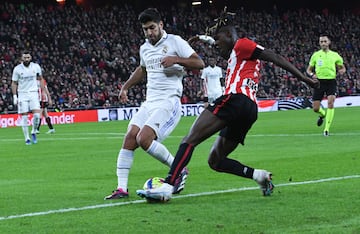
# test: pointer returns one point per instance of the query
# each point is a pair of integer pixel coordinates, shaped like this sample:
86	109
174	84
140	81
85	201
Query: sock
236	168
36	120
182	158
161	153
329	118
257	173
124	162
322	112
38	128
48	121
24	126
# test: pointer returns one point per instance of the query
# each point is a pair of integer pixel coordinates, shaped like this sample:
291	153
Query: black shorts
327	87
44	105
238	111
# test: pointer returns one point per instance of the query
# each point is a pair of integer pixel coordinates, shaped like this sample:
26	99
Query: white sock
36	121
24	126
257	174
161	153
124	162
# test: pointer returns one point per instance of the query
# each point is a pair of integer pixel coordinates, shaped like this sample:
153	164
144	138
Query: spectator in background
66	45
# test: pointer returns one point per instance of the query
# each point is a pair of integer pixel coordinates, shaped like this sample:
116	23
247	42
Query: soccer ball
154	182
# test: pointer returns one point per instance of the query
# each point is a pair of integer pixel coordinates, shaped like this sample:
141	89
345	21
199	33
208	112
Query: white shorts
161	116
213	97
28	102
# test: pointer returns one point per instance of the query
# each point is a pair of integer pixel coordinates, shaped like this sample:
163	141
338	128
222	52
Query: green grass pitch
58	185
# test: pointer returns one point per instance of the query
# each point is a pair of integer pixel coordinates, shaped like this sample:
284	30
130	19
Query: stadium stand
87	53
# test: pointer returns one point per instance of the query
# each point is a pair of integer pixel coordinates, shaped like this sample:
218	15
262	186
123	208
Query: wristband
15	99
207	39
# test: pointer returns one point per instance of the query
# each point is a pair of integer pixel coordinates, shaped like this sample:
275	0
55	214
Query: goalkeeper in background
323	65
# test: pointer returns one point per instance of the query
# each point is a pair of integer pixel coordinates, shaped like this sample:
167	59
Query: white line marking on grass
176	197
79	136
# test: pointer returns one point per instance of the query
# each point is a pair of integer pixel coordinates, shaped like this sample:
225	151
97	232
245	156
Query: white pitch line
176	197
92	136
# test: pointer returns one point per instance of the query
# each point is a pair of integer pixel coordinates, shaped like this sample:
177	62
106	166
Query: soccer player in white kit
212	81
162	60
25	91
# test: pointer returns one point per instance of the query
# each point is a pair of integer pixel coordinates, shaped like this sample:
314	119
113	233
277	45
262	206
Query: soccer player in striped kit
45	101
163	58
232	114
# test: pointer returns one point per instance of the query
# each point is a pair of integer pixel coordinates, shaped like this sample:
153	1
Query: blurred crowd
87	54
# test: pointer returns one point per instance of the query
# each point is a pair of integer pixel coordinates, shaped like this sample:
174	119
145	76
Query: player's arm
42	82
222	83
341	69
46	90
14	85
271	56
193	62
311	71
135	77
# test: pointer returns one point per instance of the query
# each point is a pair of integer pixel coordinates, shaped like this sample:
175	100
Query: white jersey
211	77
26	77
163	83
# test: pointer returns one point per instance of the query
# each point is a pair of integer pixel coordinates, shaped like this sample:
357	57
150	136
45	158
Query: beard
154	39
26	63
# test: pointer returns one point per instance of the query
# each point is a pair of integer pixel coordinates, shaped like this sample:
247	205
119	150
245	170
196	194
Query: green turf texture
75	168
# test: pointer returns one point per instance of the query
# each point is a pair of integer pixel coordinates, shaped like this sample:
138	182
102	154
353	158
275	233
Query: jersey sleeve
38	70
244	48
15	75
312	61
339	61
184	50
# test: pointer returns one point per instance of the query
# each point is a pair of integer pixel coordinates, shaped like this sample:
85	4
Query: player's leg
200	130
124	162
317	97
219	161
36	110
25	128
23	109
126	154
48	120
42	114
329	114
331	96
163	119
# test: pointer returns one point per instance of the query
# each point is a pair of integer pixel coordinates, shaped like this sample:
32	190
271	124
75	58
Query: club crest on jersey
165	50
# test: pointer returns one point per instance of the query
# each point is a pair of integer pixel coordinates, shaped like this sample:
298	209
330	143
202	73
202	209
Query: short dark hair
150	14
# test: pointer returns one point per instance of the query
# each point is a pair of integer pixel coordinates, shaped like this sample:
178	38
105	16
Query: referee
323	65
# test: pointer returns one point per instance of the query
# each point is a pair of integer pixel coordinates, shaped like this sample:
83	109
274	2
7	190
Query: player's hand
50	102
207	39
168	61
123	96
193	39
314	83
15	100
